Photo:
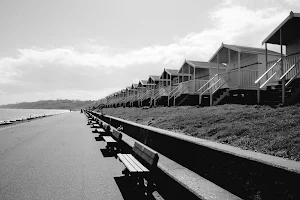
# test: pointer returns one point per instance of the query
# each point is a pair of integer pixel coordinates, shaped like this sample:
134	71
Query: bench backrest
116	134
146	154
106	127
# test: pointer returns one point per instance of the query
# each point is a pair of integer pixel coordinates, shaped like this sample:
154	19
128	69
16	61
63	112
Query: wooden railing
244	78
158	93
291	73
178	87
147	94
223	79
184	87
164	91
204	87
274	72
199	84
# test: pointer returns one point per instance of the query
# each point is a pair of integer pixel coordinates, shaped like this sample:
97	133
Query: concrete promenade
56	158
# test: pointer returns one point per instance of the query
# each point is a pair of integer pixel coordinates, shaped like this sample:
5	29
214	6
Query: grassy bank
258	128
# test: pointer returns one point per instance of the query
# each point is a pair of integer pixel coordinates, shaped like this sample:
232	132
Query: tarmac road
56	158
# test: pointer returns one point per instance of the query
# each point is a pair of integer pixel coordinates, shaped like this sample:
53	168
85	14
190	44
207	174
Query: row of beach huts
234	74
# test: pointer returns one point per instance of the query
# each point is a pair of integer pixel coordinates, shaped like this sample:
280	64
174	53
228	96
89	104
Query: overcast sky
71	49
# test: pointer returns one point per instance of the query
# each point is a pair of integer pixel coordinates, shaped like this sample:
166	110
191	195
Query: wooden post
239	63
218	63
200	98
281	66
229	61
182	77
189	72
210	98
194	79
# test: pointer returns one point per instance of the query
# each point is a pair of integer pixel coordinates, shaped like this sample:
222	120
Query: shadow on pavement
107	153
99	138
130	190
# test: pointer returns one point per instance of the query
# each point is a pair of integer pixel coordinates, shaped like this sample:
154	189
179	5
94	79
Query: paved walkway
56	158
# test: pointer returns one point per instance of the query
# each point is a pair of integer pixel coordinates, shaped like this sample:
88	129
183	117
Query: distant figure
70	110
120	128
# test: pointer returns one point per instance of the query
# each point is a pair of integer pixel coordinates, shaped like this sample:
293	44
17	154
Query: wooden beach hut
281	79
237	83
186	92
168	80
154	80
145	90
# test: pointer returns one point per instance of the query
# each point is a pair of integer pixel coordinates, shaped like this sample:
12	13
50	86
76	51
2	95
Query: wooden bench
95	125
141	164
106	127
113	141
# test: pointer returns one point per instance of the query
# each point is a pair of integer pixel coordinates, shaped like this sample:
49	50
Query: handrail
291	79
221	85
207	82
289	70
211	86
267	72
159	93
184	89
141	97
174	90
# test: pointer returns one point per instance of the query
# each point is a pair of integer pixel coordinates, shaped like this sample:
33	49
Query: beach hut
281	76
134	95
145	91
168	80
186	92
154	80
128	93
237	83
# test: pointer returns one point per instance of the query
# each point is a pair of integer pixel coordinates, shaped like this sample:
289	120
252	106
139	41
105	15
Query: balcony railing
275	73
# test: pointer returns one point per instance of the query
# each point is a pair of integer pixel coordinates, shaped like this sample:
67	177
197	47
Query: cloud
91	66
292	2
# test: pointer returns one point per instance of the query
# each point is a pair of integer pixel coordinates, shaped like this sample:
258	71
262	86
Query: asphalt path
56	158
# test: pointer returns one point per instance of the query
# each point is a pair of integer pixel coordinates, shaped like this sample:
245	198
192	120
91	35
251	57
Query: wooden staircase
285	70
220	95
273	95
215	89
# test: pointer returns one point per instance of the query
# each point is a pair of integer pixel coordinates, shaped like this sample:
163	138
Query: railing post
239	63
258	93
281	66
210	97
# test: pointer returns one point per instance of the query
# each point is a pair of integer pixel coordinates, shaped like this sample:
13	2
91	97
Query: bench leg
125	172
150	185
140	181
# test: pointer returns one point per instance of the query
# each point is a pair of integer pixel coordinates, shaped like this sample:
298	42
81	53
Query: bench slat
100	130
126	163
108	139
142	167
146	151
116	134
132	163
143	155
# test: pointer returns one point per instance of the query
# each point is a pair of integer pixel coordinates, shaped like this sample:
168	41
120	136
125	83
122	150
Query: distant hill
52	104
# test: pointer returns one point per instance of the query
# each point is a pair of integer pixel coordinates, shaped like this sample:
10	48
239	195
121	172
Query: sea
10	114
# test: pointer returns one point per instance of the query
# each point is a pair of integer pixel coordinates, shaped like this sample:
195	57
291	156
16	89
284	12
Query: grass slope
258	128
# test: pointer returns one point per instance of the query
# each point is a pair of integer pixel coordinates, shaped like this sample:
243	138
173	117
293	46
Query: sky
86	50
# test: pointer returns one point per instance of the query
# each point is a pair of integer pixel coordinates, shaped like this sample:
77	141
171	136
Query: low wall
249	175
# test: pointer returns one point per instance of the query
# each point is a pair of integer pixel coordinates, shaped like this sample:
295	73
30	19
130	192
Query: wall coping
274	161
